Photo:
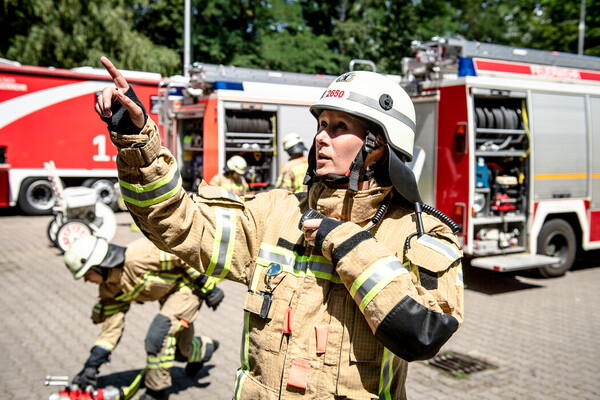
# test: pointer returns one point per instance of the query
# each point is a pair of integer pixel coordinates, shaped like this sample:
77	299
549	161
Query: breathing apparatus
388	108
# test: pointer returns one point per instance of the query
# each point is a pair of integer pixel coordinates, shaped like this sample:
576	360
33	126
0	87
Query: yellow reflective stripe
459	277
301	266
153	193
111	309
372	280
241	374
148	277
299	172
192	273
385	379
165	261
196	349
447	250
255	276
165	361
224	244
104	344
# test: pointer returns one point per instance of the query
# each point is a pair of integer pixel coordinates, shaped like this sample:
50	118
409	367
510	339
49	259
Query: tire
557	239
52	231
106	191
36	196
70	231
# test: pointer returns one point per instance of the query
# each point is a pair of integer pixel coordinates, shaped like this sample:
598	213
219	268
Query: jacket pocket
364	347
268	311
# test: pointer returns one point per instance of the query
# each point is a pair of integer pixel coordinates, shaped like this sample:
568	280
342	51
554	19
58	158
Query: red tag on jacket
288	320
299	373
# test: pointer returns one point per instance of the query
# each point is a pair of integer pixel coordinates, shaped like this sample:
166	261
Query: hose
130	390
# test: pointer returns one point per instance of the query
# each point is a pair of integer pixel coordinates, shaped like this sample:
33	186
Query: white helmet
237	164
293	143
85	253
378	99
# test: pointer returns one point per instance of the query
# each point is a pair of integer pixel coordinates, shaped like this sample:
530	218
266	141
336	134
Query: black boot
192	368
150	394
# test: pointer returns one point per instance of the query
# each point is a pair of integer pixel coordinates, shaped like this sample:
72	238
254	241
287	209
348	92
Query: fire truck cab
220	111
511	145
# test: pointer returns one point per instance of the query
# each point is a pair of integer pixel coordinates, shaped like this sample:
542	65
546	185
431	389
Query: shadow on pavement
180	381
492	282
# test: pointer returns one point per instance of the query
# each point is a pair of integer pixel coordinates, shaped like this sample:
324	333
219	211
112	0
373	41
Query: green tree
70	33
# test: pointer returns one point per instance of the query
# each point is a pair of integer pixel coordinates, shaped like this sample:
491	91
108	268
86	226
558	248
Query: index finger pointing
118	79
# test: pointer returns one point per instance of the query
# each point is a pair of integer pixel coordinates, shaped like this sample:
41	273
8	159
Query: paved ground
542	336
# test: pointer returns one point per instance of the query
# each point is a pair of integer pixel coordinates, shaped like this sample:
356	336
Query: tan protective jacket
343	316
148	274
238	187
292	175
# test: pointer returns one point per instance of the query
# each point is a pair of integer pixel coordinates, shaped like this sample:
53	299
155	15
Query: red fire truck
47	114
510	139
221	111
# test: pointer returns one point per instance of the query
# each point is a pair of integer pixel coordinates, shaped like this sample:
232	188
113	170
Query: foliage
312	36
68	33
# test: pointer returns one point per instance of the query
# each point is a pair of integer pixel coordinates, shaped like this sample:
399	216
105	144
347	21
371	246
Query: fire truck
509	143
220	111
46	114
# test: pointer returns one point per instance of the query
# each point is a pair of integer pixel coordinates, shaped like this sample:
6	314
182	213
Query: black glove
214	297
87	376
211	295
120	121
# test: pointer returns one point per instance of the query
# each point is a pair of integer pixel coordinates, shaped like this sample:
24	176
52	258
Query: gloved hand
208	291
86	377
214	297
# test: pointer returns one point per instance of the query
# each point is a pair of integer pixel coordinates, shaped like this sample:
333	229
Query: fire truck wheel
557	239
70	231
36	196
106	191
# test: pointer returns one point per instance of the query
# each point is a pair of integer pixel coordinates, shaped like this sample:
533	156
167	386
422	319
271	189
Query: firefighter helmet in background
237	164
382	102
85	253
293	144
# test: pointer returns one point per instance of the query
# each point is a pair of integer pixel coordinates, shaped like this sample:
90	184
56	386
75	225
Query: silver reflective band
374	104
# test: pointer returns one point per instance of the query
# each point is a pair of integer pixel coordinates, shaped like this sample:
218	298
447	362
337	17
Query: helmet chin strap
356	173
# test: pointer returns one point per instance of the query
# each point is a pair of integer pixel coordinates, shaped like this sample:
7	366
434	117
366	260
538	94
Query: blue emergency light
229	85
466	67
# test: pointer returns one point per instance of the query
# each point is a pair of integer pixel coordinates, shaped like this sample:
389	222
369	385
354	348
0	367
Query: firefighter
141	272
292	174
232	179
336	306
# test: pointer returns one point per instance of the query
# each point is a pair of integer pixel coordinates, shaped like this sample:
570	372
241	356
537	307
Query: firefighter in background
292	173
141	272
232	179
336	307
